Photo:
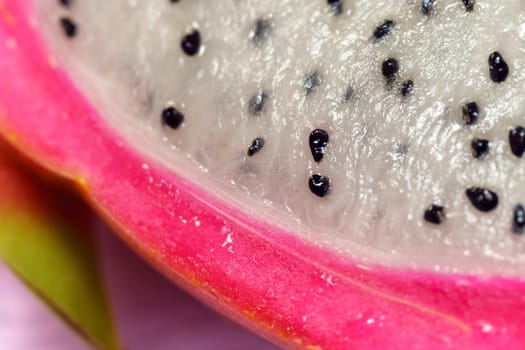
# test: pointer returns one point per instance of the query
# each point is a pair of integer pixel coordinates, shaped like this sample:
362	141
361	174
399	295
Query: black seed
517	141
470	113
257	102
434	214
65	3
480	148
348	93
426	6
401	149
498	68
312	81
407	88
69	27
389	69
256	146
261	31
336	6
319	185
191	43
172	117
518	220
482	199
318	141
469	5
383	30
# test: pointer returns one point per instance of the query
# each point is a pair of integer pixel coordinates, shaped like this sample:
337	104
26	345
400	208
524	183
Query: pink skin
290	291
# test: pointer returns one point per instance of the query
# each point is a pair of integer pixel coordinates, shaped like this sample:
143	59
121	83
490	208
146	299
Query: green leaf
61	268
45	239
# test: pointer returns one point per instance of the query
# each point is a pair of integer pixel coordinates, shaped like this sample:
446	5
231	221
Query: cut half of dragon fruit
333	174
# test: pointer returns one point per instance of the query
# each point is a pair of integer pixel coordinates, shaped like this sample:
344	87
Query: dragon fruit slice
334	174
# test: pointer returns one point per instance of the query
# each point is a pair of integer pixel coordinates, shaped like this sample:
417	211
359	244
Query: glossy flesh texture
293	292
394	149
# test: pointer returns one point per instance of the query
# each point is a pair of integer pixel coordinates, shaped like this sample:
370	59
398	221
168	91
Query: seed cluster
484	199
320	185
481	198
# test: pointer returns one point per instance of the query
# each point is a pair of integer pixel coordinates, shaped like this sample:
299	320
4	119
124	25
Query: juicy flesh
395	148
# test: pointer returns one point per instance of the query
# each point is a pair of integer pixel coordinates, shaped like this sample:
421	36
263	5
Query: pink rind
294	293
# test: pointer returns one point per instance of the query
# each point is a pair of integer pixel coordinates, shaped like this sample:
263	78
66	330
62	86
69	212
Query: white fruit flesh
389	156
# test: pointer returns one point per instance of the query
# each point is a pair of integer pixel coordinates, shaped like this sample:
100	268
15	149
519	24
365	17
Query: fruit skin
294	293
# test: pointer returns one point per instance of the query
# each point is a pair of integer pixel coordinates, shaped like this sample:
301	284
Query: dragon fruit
333	174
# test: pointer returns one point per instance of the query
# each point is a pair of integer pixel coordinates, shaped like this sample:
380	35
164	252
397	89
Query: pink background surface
152	314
